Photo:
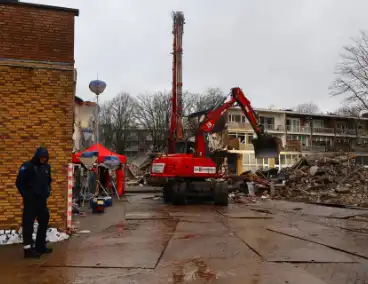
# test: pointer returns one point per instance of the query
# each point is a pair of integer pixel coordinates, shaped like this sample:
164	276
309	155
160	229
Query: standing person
34	184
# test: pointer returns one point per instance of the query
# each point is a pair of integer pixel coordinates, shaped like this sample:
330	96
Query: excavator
190	172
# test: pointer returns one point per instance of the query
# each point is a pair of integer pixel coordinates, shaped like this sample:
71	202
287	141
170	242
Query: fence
70	197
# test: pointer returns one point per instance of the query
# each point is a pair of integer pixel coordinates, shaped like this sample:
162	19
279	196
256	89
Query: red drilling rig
176	125
187	170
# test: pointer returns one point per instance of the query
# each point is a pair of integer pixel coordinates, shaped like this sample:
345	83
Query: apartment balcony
132	149
323	131
273	127
296	129
362	133
293	146
316	148
346	132
246	147
239	126
362	148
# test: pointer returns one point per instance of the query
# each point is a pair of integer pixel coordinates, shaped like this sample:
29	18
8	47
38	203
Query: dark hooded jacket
34	178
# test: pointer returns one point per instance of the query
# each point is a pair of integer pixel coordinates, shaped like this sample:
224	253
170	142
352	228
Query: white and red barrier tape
70	197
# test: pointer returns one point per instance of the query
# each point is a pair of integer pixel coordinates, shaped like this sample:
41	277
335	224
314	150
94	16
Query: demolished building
85	117
301	134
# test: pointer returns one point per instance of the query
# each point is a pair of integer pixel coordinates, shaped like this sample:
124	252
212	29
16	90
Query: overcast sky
280	52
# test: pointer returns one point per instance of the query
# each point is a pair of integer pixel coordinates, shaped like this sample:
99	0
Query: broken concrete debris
323	179
137	170
335	180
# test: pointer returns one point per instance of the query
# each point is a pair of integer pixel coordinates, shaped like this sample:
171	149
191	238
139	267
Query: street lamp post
97	87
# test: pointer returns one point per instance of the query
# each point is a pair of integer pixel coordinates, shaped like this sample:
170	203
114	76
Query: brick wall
36	102
35	33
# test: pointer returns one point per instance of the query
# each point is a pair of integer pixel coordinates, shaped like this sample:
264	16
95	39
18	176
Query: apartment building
139	142
300	133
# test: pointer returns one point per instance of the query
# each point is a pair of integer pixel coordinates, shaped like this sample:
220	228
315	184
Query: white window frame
295	124
249	165
290	159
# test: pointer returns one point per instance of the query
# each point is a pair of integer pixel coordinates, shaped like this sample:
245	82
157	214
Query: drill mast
176	125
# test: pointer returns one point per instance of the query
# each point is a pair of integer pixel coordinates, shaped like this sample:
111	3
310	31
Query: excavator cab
184	147
267	146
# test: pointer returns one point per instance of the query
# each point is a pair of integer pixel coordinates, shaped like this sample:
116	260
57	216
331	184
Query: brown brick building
37	86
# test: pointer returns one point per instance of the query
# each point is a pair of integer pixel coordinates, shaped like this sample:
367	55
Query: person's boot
31	253
44	250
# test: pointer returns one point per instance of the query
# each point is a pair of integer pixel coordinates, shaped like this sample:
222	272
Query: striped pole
70	196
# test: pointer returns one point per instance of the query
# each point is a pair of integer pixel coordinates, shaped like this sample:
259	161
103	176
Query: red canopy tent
102	153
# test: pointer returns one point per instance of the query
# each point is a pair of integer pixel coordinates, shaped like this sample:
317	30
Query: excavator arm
265	146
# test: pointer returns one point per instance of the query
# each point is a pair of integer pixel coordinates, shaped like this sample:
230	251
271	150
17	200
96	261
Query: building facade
37	83
85	118
300	133
138	143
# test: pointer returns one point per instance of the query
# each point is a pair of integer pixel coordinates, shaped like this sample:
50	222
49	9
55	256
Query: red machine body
183	166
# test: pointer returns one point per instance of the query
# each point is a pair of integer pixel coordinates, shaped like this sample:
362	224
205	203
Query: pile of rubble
334	180
138	170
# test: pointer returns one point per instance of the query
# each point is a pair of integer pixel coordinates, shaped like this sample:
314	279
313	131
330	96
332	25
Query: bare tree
194	102
350	110
106	125
307	108
211	98
352	73
153	113
117	119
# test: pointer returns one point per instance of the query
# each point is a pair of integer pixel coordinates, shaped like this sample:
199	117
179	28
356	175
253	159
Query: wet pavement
141	240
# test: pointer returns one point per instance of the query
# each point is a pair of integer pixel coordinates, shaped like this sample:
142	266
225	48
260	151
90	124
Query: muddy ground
142	240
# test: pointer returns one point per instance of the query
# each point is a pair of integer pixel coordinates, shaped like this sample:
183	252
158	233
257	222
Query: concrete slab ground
142	240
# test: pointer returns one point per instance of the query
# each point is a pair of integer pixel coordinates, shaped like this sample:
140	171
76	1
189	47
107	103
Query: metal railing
298	129
280	128
323	130
239	125
340	131
273	127
269	126
350	131
315	148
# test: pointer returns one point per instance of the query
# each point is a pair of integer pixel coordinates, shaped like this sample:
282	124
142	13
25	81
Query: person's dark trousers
35	207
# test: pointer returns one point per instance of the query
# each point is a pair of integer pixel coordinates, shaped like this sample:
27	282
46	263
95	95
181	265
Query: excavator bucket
266	147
